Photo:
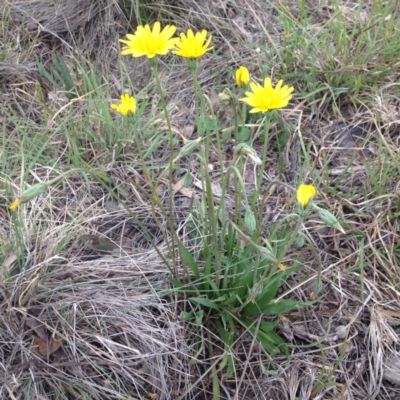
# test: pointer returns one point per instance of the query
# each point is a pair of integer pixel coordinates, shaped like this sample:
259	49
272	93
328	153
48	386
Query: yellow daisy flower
305	193
127	106
193	46
149	43
242	76
267	98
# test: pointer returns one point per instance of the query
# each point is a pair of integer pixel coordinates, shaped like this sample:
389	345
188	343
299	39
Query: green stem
207	180
236	111
153	63
264	157
243	116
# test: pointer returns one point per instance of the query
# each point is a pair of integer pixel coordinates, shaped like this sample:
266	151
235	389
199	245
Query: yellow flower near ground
193	46
242	76
305	193
15	204
267	98
149	43
127	106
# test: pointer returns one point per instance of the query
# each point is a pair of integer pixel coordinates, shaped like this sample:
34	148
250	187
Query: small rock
341	331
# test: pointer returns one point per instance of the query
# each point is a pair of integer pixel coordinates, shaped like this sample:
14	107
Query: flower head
127	106
267	98
242	76
149	43
304	194
15	204
193	46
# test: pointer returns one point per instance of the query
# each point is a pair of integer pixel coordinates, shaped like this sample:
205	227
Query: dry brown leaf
389	313
393	316
215	187
186	192
45	348
36	326
9	261
187	131
180	187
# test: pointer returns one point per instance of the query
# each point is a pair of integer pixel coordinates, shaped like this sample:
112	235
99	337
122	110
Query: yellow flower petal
15	204
149	43
305	193
127	106
264	98
192	45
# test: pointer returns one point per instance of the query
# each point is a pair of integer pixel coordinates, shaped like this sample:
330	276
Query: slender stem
142	161
221	208
236	111
243	116
153	63
264	157
209	194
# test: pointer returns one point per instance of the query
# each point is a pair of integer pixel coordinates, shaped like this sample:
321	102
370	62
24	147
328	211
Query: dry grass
76	323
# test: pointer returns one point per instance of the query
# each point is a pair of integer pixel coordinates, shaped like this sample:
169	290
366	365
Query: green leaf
225	335
262	300
207	272
174	282
97	243
267	339
187	180
199	317
268	343
220	299
42	71
268	326
62	67
263	337
232	299
184	315
188	258
205	302
281	307
230	240
213	285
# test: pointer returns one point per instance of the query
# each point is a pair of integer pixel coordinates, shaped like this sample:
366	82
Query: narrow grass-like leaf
188	258
205	302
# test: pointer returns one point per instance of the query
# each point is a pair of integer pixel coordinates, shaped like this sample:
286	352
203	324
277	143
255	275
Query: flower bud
267	251
305	193
330	219
29	194
224	97
188	148
242	76
250	220
246	150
